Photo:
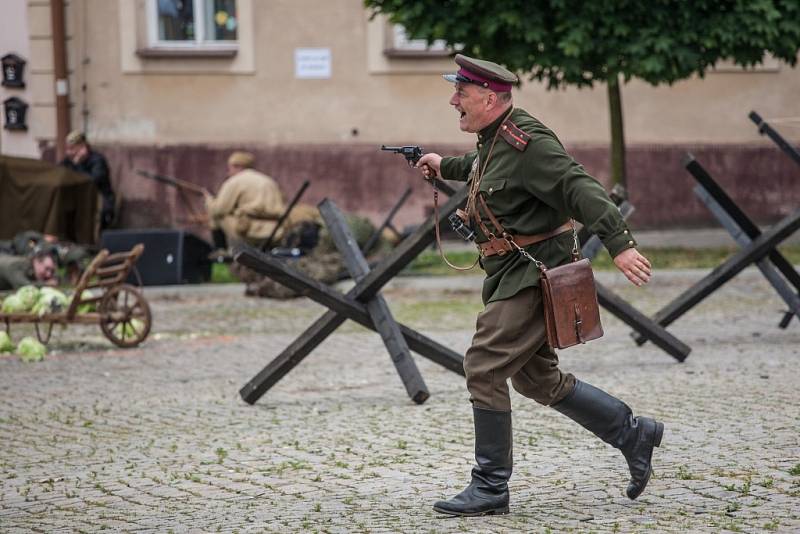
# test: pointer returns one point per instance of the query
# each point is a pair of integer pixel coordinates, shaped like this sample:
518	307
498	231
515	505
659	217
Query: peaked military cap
483	73
75	137
242	159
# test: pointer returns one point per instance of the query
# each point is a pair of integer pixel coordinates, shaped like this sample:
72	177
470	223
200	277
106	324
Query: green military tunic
533	186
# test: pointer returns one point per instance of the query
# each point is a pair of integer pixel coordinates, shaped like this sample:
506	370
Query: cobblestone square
156	439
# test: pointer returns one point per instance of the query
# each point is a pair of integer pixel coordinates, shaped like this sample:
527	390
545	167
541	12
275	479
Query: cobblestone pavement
156	439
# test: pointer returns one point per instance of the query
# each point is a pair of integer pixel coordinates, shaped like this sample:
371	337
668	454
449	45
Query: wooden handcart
121	310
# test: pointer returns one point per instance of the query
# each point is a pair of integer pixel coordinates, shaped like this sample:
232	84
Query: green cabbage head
50	300
28	295
130	329
6	345
13	304
30	350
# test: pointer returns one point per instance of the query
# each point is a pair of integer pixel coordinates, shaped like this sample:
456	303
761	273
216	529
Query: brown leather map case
571	312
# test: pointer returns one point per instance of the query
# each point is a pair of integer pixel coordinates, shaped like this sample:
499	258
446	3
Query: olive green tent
37	195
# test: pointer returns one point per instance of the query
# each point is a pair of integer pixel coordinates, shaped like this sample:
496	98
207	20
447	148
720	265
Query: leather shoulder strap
515	137
495	222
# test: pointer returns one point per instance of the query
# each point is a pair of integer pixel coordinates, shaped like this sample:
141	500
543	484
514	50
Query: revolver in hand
411	153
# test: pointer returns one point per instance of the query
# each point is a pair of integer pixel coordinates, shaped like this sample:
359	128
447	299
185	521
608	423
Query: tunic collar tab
490	130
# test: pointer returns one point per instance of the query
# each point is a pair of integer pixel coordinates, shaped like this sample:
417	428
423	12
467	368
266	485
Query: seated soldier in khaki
247	206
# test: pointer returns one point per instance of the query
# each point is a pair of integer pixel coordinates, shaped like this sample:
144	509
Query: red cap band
500	87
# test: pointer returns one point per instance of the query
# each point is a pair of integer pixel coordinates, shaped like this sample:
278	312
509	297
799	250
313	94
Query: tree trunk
617	134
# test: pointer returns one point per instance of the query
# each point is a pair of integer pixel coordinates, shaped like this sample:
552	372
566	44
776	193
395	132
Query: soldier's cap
482	73
75	137
242	159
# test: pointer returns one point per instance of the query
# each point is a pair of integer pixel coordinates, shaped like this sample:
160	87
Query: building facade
314	87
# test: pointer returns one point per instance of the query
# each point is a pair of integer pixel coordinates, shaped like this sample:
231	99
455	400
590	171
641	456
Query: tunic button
630	242
505	127
625	232
491	189
480	145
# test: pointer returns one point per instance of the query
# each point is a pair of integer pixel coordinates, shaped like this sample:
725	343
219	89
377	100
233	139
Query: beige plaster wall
254	97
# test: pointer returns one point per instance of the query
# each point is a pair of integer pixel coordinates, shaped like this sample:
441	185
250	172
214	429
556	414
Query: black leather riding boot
611	420
488	492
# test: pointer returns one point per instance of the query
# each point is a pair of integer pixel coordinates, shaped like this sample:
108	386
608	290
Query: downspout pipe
61	75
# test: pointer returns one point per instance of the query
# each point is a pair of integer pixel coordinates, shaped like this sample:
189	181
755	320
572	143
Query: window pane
175	20
402	42
221	21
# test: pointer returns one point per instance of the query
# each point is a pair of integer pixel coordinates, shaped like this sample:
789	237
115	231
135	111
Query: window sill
396	53
198	52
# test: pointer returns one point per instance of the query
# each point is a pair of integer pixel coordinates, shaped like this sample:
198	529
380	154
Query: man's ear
491	100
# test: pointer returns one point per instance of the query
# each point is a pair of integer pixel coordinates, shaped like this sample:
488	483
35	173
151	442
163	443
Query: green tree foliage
577	42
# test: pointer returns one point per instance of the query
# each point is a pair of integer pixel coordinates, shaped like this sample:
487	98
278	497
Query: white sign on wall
312	63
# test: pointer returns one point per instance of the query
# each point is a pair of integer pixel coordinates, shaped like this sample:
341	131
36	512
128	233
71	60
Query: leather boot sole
657	436
494	511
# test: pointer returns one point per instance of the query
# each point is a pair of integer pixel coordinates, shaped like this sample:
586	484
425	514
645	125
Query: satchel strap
578	324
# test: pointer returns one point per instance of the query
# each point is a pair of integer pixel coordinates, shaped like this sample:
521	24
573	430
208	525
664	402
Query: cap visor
452	78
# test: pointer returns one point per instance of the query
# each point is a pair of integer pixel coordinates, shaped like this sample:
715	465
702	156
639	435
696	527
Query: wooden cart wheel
125	317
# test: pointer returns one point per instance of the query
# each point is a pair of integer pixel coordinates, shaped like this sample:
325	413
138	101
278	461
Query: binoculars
462	229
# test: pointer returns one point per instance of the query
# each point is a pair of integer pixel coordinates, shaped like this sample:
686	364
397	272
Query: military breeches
511	342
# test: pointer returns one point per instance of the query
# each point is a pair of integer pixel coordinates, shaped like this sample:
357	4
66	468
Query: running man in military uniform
532	186
247	206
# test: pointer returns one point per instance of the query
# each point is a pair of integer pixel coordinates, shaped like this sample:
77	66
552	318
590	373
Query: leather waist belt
500	246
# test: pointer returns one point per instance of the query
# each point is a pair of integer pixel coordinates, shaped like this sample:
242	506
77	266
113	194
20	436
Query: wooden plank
759	248
398	259
342	304
766	266
739	217
377	307
623	310
291	356
341	307
764	128
114	269
407	250
645	326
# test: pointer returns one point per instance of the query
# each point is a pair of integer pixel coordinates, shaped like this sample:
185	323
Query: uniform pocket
490	187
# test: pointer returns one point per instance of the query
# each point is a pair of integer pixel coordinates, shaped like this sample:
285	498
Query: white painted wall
15	38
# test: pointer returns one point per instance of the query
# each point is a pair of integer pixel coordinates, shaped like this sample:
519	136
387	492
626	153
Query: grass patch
221	274
430	263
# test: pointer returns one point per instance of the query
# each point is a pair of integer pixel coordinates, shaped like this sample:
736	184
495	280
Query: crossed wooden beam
364	304
792	151
756	247
644	326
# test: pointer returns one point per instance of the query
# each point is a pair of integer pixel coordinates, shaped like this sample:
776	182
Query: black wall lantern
13	70
15	113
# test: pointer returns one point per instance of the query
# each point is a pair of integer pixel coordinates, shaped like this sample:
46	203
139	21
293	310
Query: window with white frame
399	44
193	23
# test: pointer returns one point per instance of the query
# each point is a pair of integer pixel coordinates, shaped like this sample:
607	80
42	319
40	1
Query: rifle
174	182
265	246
